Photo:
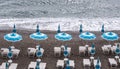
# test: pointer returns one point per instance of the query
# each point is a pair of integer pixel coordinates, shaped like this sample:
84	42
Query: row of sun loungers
114	62
87	63
58	51
10	65
62	63
33	64
5	51
32	52
85	50
109	49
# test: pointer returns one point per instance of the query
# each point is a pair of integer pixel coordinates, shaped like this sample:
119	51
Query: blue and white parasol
87	36
110	36
13	37
38	35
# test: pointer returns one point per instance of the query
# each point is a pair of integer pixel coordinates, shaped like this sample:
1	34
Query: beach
23	60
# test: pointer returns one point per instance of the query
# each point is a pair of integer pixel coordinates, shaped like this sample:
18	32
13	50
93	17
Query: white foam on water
67	24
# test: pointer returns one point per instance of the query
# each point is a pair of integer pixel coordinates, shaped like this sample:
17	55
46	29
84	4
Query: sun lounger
3	66
31	52
57	51
15	53
13	66
117	58
119	62
113	48
72	64
5	51
105	50
32	65
86	63
60	64
92	60
82	50
112	62
69	51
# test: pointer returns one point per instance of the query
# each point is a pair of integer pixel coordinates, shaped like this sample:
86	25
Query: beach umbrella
65	52
68	65
110	36
37	65
117	51
38	35
13	37
81	29
10	54
59	31
87	36
97	65
63	36
6	65
39	53
92	50
102	30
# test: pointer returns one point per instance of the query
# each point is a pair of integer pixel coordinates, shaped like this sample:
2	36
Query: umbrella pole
12	44
109	42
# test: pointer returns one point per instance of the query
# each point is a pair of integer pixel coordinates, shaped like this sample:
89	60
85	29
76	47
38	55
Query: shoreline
67	24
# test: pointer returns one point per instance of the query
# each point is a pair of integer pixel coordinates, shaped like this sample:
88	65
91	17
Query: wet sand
23	60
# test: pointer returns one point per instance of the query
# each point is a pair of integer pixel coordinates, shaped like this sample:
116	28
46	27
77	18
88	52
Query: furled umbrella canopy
117	51
37	65
39	53
102	30
38	35
81	29
13	37
65	52
98	65
92	50
10	54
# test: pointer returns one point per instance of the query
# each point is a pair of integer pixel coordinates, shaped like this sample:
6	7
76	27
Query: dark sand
49	44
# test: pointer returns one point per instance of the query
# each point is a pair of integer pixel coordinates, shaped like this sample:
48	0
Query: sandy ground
49	44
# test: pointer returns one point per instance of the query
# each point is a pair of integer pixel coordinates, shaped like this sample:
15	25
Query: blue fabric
65	53
92	51
87	36
111	36
63	36
38	36
67	67
10	54
97	66
13	37
38	53
117	51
